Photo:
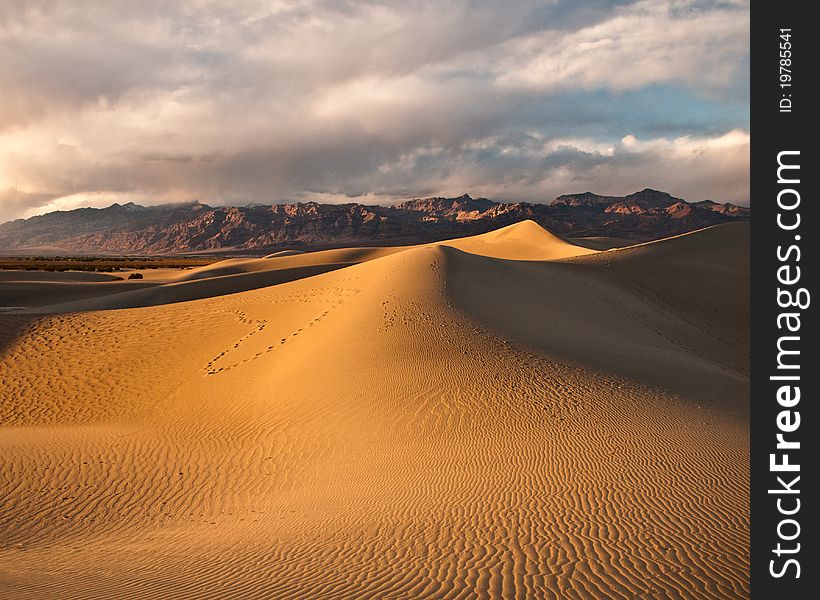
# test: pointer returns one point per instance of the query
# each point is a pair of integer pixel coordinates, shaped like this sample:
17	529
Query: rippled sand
506	416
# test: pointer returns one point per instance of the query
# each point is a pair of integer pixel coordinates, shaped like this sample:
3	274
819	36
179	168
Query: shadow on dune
672	314
35	294
12	328
195	289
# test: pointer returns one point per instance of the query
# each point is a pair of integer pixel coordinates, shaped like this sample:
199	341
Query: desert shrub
135	276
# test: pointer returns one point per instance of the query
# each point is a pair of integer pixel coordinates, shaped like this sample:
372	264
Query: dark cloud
258	101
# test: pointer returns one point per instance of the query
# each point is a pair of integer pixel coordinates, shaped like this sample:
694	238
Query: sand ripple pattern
394	445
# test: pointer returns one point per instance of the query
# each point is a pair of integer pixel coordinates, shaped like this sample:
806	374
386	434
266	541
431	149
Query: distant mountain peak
450	206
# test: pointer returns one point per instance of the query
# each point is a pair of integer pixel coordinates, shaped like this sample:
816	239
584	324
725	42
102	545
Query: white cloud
651	42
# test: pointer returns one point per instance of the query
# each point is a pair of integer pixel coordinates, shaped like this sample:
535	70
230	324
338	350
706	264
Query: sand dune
521	241
458	420
288	260
601	242
645	312
186	290
32	294
281	253
55	276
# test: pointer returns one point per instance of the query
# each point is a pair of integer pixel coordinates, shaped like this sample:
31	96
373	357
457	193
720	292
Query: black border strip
781	120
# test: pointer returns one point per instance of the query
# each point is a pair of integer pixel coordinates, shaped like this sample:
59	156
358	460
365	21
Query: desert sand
503	416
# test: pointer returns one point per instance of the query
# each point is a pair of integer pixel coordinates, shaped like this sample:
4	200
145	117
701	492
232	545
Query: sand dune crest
521	241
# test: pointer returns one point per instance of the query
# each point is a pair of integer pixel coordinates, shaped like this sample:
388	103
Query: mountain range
194	227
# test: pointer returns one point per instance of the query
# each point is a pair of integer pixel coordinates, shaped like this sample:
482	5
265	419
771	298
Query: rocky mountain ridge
193	227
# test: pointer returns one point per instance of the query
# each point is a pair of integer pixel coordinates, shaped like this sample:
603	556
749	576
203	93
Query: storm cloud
260	101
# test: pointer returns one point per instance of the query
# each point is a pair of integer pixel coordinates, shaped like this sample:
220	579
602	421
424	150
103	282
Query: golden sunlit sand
503	416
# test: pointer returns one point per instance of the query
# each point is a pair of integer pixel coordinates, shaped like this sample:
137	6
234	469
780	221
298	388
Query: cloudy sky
154	101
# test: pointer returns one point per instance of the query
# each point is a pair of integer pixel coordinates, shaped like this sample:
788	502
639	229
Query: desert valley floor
503	416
